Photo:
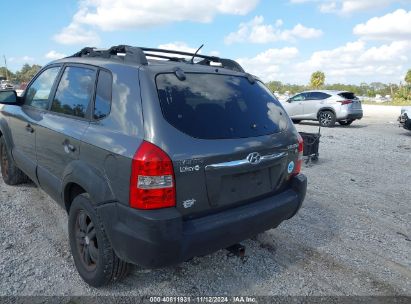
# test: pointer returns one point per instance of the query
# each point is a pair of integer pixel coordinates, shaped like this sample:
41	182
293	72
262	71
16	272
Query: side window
298	97
102	104
318	96
38	93
74	92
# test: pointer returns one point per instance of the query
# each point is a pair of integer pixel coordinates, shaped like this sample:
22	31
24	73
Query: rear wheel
93	255
326	119
11	174
345	122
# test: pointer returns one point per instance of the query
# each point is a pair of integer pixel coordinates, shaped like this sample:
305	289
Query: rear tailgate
229	139
240	180
355	101
224	174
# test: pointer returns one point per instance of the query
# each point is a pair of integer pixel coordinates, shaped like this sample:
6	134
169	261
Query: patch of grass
395	102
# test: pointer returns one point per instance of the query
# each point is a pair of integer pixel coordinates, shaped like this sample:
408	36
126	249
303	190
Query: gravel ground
351	237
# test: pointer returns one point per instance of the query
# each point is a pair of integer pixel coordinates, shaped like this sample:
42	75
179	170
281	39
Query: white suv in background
325	106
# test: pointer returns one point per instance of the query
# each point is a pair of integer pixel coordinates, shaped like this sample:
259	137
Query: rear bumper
156	238
351	116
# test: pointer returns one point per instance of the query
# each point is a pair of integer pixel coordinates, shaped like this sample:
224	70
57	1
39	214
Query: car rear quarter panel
110	144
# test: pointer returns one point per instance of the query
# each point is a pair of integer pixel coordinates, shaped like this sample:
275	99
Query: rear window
348	95
212	106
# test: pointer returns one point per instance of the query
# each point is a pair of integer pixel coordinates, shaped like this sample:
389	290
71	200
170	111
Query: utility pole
5	64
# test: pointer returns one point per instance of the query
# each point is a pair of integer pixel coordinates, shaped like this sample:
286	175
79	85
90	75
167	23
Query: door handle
29	128
68	147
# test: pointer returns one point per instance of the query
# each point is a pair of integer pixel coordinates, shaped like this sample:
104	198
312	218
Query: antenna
192	58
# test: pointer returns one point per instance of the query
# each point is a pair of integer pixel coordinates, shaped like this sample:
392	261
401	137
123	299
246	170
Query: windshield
210	106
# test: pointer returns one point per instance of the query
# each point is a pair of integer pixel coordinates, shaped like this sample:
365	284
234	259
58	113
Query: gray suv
156	158
326	106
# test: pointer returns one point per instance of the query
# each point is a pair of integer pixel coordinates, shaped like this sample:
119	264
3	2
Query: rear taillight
298	165
344	102
152	184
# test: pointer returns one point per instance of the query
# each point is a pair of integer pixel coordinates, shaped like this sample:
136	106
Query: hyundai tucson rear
220	163
172	159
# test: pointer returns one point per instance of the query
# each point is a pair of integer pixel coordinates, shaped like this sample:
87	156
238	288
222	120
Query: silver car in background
325	106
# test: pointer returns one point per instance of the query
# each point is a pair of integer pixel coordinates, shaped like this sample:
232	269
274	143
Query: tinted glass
74	92
102	103
298	97
318	95
39	91
219	106
348	95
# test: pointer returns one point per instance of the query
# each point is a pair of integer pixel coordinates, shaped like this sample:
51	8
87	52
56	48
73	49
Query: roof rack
139	55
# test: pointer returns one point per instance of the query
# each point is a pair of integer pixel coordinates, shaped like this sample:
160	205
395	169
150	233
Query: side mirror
8	97
288	100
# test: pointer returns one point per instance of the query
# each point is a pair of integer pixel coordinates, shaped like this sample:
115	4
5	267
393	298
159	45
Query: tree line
400	91
25	74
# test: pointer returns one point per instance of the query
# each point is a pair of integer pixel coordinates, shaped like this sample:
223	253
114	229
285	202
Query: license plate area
226	189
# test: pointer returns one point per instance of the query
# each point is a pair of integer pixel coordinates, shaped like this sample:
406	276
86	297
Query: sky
351	41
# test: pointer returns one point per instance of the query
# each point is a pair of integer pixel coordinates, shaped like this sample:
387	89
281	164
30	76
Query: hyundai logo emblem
254	158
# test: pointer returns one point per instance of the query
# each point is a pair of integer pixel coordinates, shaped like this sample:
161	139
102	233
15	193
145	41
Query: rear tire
93	255
11	174
326	119
345	122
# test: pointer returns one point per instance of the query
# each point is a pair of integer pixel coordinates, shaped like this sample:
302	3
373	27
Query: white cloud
108	15
23	59
236	7
122	14
355	62
347	6
27	58
268	64
396	25
53	55
255	31
76	34
177	46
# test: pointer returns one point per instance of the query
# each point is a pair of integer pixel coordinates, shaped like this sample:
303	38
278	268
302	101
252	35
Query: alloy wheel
325	118
86	241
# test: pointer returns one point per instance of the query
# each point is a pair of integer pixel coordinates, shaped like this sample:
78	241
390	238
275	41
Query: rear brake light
297	168
344	102
152	184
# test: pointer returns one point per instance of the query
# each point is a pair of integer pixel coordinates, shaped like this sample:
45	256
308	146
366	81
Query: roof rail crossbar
87	51
131	54
225	63
212	58
139	55
164	57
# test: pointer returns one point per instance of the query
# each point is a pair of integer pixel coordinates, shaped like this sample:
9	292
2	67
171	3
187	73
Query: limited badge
290	167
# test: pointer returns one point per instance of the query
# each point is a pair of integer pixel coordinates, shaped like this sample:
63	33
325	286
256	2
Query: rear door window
212	106
74	92
102	104
318	96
